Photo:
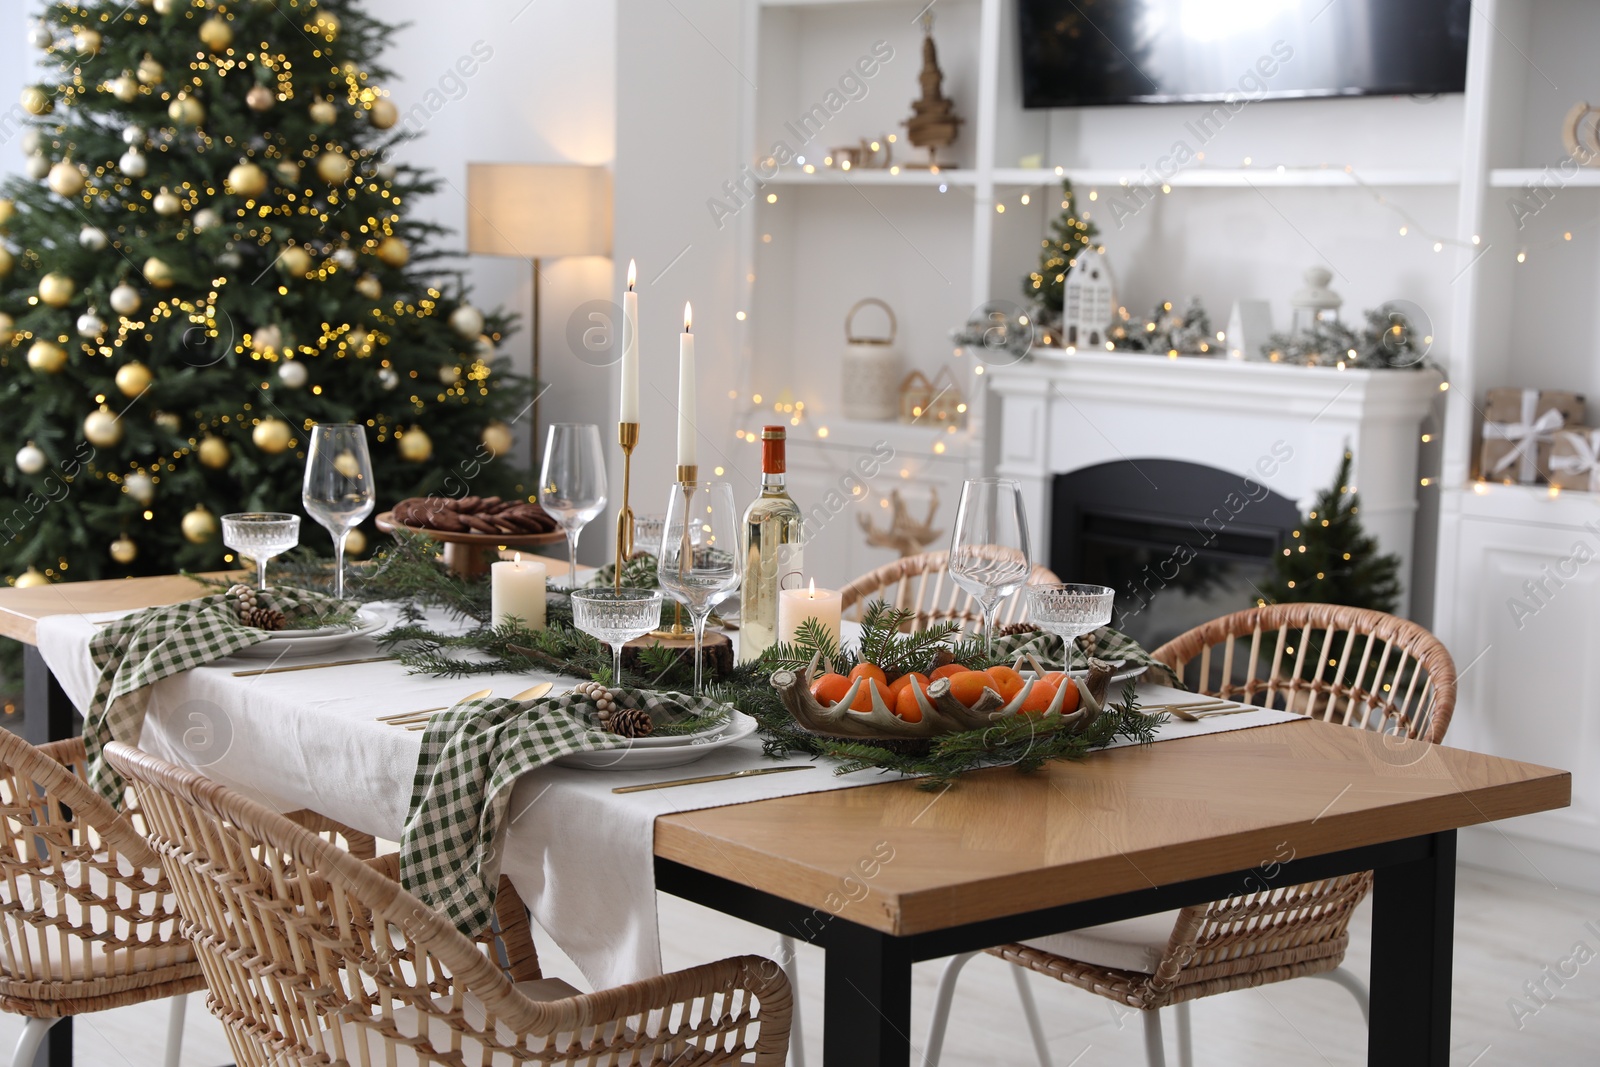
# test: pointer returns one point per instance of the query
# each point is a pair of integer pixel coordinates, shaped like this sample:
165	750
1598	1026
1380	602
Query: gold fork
531	693
402	717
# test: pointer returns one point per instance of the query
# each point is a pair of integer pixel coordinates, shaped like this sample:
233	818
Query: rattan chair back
923	584
313	956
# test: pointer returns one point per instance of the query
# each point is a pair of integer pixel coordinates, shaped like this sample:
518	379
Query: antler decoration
903	534
941	712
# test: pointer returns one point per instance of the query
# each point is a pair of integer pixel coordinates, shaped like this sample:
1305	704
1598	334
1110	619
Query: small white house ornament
1088	301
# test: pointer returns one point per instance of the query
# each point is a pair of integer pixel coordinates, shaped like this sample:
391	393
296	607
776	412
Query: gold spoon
408	716
531	693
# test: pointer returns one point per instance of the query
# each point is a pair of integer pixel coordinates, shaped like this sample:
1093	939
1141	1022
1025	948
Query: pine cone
265	619
1012	629
631	722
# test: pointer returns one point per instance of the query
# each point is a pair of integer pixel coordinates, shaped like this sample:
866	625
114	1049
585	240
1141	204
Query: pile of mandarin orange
966	685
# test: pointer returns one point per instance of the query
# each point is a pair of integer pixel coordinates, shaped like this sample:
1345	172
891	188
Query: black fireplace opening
1181	543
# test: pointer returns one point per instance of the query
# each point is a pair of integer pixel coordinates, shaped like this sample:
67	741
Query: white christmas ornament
91	325
125	299
205	219
37	166
449	374
133	134
345	257
467	321
483	348
40	36
387	171
93	238
388	378
1088	301
133	163
66	179
292	373
166	204
31	459
32	142
140	486
268	338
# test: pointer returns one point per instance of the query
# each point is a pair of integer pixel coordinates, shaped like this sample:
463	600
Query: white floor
1508	932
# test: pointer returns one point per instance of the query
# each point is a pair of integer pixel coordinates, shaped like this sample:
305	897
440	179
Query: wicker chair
88	920
923	584
1362	668
313	956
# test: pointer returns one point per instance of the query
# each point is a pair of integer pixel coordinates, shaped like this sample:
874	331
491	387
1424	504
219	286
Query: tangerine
905	680
1039	697
948	669
830	689
869	670
863	700
1007	682
968	686
905	703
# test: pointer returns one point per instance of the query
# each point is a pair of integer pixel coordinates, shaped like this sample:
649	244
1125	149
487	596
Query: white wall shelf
1517	177
1231	177
954	177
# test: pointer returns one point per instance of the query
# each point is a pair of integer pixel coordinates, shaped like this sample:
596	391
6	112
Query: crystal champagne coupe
1070	610
261	535
615	617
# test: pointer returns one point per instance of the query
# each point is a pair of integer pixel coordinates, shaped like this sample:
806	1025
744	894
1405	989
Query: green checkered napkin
1104	643
140	649
472	755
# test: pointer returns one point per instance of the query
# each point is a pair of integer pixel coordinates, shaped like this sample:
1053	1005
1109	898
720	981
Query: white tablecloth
580	855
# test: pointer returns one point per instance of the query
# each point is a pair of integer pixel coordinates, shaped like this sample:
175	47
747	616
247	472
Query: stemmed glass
615	617
989	546
338	490
572	482
261	535
699	560
1069	611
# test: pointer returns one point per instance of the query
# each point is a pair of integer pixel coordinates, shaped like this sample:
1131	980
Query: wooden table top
21	609
1000	843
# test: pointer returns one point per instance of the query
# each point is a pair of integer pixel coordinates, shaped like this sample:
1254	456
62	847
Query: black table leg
47	715
867	999
1413	928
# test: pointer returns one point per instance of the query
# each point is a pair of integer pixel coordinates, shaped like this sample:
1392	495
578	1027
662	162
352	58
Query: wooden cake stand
469	554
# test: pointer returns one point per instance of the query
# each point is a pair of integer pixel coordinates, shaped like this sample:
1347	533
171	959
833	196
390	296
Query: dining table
886	872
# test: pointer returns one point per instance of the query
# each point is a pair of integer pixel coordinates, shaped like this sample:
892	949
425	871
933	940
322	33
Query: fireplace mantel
1284	426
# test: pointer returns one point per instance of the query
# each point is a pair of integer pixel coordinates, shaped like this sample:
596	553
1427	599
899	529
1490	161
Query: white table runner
581	856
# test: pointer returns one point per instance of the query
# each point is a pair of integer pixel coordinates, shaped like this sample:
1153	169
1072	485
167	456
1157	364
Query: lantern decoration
1089	301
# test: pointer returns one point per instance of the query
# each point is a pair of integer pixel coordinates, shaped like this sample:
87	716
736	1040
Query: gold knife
709	778
310	666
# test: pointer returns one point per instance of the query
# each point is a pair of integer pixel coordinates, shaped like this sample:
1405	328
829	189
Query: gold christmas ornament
199	525
214	452
124	87
168	421
355	543
158	273
295	261
102	428
383	114
325	23
288	171
123	550
394	252
268	338
247	179
30	578
6	261
260	98
133	378
369	287
8	208
88	41
66	179
333	167
165	203
8	329
272	435
323	113
35	101
216	34
185	110
467	321
415	446
449	374
56	289
151	72
348	465
163	7
497	439
47	357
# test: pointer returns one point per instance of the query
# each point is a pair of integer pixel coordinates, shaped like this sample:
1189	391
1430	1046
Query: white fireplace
1284	427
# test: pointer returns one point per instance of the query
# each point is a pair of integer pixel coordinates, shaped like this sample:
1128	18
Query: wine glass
261	535
338	490
699	559
989	546
572	482
647	530
1069	611
616	616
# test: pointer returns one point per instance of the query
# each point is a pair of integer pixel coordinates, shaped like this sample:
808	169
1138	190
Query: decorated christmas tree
211	252
1332	560
1046	285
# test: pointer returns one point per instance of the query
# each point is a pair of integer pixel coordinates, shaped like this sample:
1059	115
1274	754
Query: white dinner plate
323	639
671	740
1122	674
680	750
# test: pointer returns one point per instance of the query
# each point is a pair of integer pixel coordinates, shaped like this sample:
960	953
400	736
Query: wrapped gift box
1519	431
1575	459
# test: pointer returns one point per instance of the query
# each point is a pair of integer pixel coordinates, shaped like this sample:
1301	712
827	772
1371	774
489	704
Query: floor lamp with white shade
536	211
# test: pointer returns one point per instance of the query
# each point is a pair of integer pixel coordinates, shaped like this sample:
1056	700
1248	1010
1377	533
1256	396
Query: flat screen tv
1094	52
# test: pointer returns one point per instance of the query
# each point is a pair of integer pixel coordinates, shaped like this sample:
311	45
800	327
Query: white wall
546	94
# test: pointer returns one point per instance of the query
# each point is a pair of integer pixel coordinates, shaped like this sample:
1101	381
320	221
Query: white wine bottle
772	548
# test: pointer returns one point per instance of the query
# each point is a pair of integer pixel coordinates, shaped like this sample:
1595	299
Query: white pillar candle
795	606
630	349
686	406
516	591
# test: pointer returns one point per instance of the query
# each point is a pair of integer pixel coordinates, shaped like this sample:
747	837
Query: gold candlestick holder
628	438
688	475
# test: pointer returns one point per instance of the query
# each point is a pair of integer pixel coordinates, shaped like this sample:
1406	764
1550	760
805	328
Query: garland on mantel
409	573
